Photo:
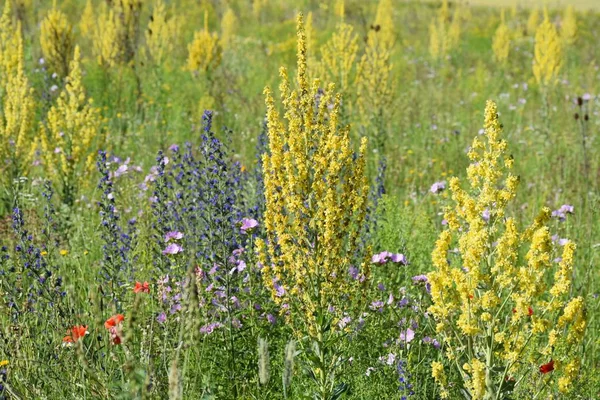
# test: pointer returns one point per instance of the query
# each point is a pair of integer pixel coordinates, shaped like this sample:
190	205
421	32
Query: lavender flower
438	187
385	256
563	211
175	235
407	336
172	248
248	225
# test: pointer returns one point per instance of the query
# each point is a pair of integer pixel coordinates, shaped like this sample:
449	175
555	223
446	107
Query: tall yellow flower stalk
10	40
161	34
568	27
107	45
444	35
229	24
57	41
454	31
87	23
533	21
69	135
375	89
205	51
115	38
436	41
16	121
316	193
548	53
502	316
444	12
339	9
339	56
501	42
382	32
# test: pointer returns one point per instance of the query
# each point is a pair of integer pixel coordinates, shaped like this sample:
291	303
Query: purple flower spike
173	235
438	187
173	248
419	278
174	147
248	224
162	317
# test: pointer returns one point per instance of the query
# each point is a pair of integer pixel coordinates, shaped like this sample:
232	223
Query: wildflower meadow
277	199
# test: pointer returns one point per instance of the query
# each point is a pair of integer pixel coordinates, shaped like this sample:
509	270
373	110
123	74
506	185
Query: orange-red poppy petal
548	367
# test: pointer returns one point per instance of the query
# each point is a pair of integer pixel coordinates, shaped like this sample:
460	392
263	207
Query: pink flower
248	224
175	235
173	248
407	336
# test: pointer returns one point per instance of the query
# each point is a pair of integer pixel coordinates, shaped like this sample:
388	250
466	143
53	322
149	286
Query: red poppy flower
549	367
77	332
114	321
141	287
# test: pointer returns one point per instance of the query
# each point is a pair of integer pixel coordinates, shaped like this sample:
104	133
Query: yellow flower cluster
10	41
501	42
548	53
339	9
116	35
161	34
316	192
18	108
56	40
438	374
87	23
68	137
382	32
339	54
375	90
205	51
476	382
568	28
229	24
488	302
533	21
444	38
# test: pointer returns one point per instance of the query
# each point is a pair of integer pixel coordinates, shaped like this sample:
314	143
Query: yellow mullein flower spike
229	24
161	34
69	135
548	53
501	42
489	294
57	41
568	27
204	53
305	258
